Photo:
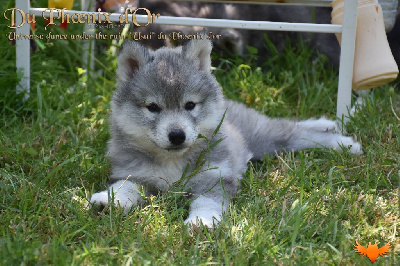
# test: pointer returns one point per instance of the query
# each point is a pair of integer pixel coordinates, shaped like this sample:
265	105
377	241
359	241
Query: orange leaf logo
372	251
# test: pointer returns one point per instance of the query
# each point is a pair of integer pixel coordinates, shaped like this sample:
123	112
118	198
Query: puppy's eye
154	108
190	106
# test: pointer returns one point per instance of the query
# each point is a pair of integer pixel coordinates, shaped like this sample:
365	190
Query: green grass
305	208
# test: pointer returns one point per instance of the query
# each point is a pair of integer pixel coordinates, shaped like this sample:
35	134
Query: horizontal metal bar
274	2
205	22
251	25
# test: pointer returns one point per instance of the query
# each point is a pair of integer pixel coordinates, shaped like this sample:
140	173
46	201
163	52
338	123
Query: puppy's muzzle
177	137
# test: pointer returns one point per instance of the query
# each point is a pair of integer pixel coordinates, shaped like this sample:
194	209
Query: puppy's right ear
199	51
131	57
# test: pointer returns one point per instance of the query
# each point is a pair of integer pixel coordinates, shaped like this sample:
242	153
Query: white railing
348	31
283	2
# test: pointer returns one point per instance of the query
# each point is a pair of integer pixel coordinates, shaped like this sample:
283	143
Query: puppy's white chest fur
167	173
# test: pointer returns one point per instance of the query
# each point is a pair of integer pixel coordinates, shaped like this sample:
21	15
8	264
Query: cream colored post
23	60
88	45
346	60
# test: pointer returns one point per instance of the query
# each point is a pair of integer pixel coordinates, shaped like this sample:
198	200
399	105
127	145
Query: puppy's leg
212	188
206	210
124	192
267	136
321	133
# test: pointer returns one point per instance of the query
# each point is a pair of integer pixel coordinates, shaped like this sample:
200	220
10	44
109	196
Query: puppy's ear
200	51
131	57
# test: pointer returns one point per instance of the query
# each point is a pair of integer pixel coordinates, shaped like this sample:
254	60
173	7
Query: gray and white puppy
165	100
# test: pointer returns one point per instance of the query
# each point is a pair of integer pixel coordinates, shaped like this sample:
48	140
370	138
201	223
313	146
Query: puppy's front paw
204	211
123	193
99	200
194	223
102	199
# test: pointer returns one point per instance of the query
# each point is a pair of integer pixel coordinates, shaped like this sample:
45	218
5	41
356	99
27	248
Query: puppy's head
167	97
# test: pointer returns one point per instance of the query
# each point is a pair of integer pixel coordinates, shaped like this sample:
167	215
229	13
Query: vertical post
23	61
347	59
88	45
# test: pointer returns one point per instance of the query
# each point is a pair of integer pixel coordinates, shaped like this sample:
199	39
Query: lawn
302	208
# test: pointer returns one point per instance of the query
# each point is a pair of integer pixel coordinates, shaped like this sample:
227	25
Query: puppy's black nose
177	136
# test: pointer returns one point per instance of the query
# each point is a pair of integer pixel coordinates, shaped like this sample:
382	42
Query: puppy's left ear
199	51
131	57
